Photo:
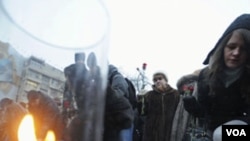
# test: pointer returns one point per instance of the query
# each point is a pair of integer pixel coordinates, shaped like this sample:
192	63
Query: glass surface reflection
40	45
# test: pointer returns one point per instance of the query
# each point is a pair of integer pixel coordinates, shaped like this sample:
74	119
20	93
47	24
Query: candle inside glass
26	131
50	136
41	39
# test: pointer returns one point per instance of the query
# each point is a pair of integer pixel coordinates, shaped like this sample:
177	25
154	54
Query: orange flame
50	136
26	130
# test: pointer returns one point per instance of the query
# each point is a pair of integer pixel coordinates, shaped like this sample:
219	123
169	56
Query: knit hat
161	74
243	21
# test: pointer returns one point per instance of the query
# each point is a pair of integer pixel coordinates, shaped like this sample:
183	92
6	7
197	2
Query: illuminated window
31	84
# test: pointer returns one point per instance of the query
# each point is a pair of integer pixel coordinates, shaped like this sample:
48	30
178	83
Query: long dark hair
217	64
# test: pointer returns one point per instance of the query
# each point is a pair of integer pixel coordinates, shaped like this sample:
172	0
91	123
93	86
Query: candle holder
39	42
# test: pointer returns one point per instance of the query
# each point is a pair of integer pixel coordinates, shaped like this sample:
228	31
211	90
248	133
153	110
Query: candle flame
26	130
50	136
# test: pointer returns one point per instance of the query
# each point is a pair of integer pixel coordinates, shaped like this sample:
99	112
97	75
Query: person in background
46	114
94	69
186	86
81	96
83	84
224	85
77	71
11	115
159	110
119	114
80	57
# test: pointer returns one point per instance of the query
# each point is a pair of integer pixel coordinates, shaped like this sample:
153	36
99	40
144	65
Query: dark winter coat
77	79
118	113
119	84
226	103
87	87
159	110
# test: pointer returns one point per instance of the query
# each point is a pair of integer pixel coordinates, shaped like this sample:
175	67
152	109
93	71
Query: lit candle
50	136
26	131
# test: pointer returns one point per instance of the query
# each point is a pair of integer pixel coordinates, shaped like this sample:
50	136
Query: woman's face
235	54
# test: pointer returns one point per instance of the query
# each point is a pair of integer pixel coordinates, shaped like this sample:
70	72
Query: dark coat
119	84
226	103
87	123
159	110
118	113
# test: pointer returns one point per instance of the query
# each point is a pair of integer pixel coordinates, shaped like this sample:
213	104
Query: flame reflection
26	130
50	136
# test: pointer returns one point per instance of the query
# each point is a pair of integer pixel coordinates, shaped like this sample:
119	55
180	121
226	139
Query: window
45	79
55	82
33	74
54	93
31	84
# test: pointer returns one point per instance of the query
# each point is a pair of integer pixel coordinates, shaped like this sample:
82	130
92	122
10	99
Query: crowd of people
208	98
216	95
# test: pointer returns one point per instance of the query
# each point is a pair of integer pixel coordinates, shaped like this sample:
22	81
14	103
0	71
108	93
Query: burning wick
26	131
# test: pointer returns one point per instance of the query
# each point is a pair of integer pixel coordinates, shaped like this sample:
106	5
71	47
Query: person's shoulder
203	73
115	76
148	93
171	89
69	67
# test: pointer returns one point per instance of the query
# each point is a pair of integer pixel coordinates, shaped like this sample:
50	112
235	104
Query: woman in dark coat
224	85
160	107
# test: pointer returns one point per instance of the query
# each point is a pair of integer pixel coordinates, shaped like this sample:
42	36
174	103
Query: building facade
20	75
37	75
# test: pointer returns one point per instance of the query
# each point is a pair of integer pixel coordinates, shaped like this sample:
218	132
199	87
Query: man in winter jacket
118	114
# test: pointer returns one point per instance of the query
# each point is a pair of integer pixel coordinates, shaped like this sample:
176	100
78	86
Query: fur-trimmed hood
189	78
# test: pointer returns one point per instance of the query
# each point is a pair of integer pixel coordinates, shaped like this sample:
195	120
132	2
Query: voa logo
236	132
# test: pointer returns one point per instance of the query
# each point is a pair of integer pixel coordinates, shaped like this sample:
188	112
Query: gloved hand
191	105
